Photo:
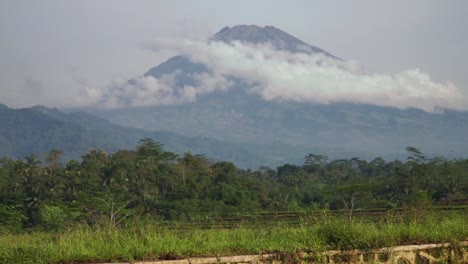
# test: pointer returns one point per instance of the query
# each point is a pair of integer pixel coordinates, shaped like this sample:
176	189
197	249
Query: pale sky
49	49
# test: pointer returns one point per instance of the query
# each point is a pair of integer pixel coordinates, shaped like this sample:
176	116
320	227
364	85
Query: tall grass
152	240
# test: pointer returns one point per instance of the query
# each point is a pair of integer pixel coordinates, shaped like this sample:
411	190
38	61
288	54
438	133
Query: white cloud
300	77
144	91
151	91
275	76
208	83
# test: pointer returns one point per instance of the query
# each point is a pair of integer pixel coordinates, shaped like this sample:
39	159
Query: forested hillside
39	129
152	182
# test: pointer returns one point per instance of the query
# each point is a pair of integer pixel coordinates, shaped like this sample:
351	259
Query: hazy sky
50	50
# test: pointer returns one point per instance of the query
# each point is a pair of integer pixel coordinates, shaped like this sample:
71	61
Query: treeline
149	182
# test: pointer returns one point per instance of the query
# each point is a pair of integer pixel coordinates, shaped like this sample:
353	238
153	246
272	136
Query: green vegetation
150	203
155	240
149	182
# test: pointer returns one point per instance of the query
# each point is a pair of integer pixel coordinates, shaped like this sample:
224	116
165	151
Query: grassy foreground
154	241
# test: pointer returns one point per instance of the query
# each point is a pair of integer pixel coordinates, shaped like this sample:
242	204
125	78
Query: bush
343	235
52	217
10	219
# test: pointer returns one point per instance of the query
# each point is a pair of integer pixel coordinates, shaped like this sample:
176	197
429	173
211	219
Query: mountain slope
40	129
337	130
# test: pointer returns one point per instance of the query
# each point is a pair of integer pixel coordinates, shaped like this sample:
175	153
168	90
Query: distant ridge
39	129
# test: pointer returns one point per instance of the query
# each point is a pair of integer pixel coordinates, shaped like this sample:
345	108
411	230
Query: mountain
285	131
247	34
39	129
267	35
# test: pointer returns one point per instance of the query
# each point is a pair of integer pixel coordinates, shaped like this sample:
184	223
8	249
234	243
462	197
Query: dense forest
149	182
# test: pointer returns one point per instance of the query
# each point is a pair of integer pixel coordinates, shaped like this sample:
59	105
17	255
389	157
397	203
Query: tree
291	175
351	195
451	180
30	173
53	181
315	163
149	149
194	175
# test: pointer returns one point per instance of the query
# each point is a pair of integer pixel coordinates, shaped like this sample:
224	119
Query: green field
145	240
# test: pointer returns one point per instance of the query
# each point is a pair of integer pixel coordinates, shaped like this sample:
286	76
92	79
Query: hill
40	129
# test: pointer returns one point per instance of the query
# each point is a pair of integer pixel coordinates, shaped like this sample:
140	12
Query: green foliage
147	239
342	235
114	189
151	150
52	217
11	220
